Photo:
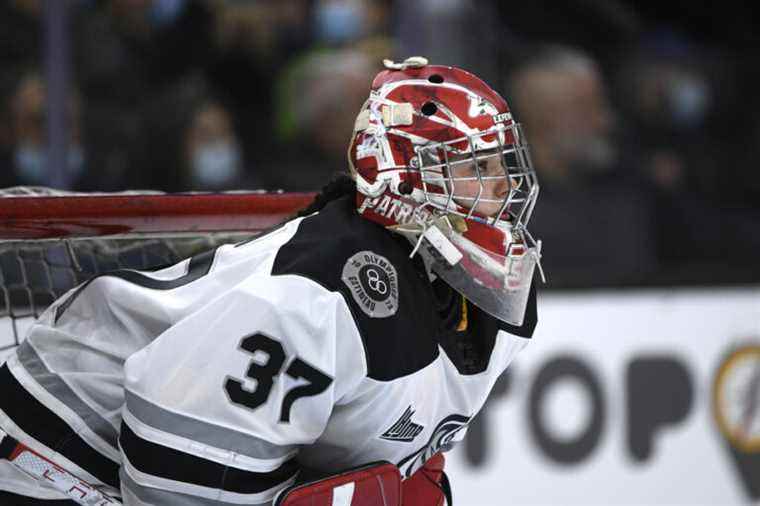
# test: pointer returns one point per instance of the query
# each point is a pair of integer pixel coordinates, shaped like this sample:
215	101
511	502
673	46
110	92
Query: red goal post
50	241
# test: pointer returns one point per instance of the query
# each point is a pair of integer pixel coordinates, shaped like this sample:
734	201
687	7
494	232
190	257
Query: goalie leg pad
377	484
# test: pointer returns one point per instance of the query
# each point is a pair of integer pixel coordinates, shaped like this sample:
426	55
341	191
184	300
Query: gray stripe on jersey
148	495
56	387
203	432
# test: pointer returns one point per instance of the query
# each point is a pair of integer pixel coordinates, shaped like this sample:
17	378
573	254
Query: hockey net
51	241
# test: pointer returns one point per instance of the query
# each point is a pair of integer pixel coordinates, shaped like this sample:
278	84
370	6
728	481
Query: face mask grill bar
470	181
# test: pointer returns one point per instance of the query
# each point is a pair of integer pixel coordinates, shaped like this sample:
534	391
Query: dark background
642	116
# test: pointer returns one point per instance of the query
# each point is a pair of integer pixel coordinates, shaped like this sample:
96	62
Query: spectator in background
20	44
28	151
139	62
253	42
191	142
567	115
213	158
320	97
690	148
594	212
668	100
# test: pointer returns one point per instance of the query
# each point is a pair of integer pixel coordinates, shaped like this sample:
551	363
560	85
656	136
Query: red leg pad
372	485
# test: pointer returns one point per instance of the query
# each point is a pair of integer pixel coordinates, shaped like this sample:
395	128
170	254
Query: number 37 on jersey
268	359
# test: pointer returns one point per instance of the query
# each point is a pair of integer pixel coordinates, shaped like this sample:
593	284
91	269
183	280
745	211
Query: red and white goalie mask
438	157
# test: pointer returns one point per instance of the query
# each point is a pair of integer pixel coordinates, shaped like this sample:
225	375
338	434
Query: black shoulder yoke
398	344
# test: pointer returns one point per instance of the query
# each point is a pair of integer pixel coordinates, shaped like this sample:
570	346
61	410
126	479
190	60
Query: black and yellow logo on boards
736	409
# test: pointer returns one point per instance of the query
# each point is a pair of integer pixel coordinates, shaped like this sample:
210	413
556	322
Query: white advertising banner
624	397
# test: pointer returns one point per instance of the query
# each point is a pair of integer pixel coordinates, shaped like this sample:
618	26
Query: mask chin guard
438	240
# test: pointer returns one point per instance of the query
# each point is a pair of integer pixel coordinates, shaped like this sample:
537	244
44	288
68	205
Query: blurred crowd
642	119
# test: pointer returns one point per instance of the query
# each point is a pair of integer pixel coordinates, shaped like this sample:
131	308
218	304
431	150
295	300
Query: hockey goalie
330	361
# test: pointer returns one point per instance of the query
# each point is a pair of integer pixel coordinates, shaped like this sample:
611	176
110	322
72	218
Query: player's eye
490	169
510	159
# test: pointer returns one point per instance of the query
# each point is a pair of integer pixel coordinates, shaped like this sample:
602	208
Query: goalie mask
438	157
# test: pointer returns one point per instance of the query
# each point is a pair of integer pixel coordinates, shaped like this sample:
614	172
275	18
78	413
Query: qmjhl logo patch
404	430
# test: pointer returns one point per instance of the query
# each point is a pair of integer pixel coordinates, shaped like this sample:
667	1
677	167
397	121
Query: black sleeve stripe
151	495
7	445
164	462
199	266
45	426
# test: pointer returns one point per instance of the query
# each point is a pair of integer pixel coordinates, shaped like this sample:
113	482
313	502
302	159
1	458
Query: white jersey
319	345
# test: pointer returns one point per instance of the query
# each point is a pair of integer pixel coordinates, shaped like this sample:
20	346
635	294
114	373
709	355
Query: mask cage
435	164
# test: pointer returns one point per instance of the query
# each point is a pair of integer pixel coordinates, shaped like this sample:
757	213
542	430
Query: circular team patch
373	283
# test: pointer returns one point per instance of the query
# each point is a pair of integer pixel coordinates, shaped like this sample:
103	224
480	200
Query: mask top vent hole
429	108
435	78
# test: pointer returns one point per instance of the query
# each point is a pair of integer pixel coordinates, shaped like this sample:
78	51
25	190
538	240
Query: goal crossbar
72	216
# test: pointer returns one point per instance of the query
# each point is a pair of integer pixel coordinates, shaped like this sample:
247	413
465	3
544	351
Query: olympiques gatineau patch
373	282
